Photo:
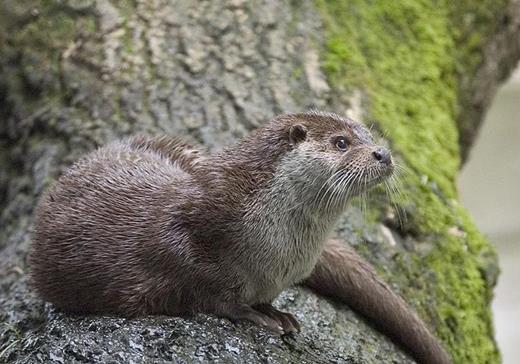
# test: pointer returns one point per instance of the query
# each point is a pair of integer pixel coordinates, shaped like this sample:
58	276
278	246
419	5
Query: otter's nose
382	155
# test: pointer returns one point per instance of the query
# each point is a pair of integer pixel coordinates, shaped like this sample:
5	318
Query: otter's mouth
361	180
347	183
378	177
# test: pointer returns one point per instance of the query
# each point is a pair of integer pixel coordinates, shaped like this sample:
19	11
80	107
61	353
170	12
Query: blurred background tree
76	74
489	189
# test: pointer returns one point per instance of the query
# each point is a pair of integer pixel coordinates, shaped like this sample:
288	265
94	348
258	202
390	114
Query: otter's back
92	230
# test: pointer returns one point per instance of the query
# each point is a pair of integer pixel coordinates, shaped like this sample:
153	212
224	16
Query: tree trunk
76	74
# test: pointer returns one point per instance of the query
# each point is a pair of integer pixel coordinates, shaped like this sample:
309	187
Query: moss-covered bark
412	59
75	74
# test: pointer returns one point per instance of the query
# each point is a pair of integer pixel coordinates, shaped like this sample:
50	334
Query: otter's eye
341	144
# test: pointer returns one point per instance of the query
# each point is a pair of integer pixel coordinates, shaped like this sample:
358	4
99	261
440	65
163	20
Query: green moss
408	56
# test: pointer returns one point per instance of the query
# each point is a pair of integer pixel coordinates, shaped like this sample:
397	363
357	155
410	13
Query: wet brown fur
156	226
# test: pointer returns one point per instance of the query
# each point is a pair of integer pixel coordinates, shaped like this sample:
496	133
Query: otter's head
331	155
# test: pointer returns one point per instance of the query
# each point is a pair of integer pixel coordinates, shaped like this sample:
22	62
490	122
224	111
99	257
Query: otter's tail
344	275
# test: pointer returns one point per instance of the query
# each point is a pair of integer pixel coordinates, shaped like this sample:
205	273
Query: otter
154	225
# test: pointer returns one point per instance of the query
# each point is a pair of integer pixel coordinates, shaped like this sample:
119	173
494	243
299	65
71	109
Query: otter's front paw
285	319
241	311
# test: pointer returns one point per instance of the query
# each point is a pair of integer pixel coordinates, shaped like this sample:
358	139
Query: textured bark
76	74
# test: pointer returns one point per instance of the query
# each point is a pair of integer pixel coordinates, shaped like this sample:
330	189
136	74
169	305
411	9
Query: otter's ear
297	134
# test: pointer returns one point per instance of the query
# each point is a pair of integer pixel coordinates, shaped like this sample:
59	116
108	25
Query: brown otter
154	225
